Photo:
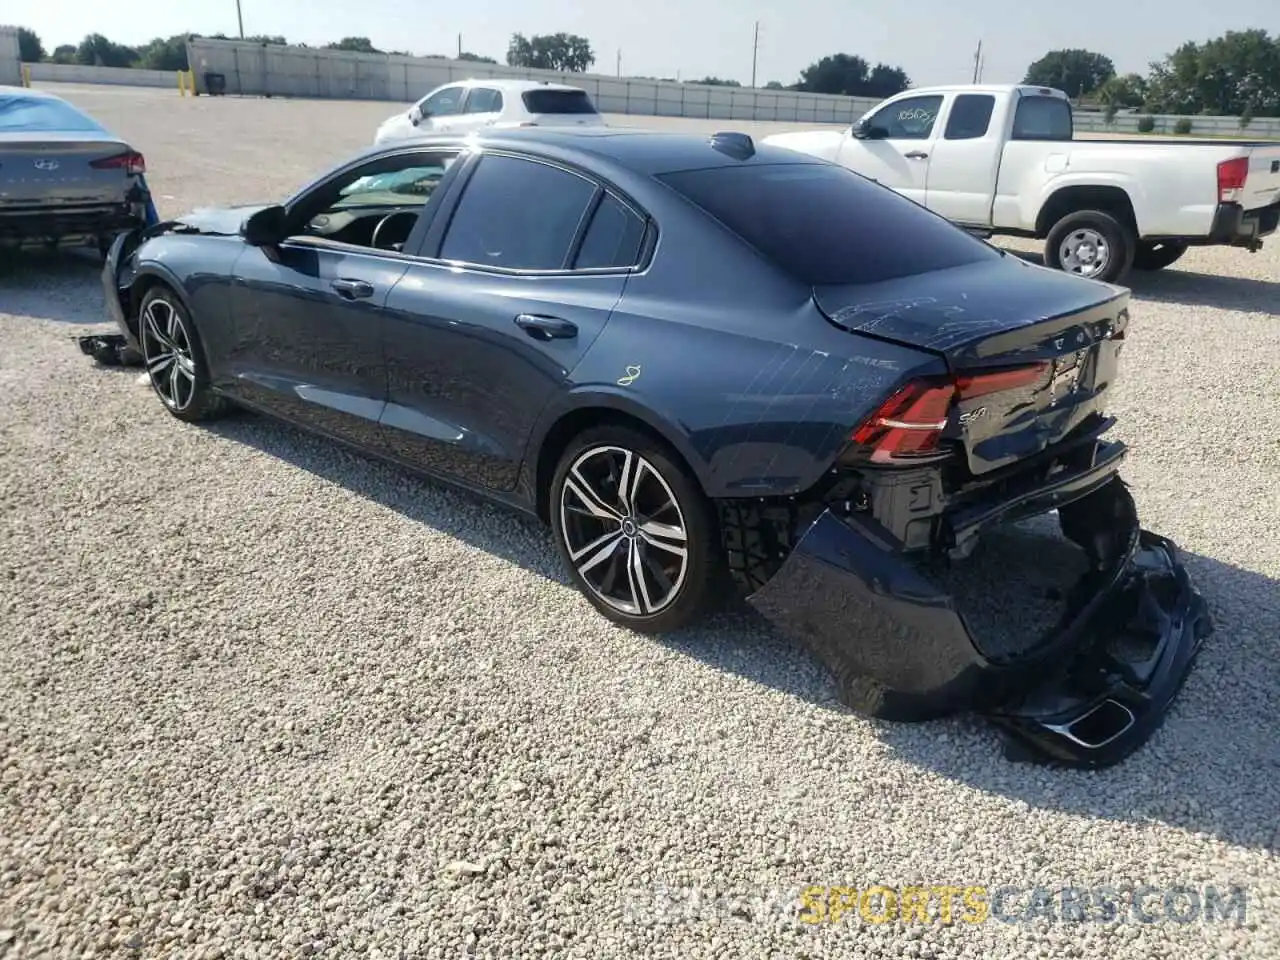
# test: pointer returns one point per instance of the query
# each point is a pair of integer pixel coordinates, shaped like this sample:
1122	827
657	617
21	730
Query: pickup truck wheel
1157	256
1092	244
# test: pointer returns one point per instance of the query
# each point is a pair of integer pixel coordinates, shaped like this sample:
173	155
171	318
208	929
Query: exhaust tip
1098	727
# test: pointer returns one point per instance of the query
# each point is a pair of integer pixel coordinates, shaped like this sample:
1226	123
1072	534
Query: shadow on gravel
1218	744
1191	289
62	286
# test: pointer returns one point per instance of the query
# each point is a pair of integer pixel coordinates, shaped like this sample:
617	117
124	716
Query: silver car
64	179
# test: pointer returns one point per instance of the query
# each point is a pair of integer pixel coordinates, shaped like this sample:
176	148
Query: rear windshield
43	114
826	225
558	101
1042	118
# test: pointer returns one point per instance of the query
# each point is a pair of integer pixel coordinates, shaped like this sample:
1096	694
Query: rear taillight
130	161
910	423
1232	175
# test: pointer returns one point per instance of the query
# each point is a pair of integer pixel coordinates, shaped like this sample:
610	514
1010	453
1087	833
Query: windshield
43	114
558	101
824	224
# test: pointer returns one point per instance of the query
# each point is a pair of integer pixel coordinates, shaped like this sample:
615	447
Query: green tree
64	53
850	75
1239	70
30	49
774	85
1120	92
97	50
558	51
475	58
716	82
165	53
1076	72
354	45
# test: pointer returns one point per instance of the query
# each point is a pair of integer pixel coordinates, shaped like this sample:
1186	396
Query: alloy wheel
624	530
167	352
1084	252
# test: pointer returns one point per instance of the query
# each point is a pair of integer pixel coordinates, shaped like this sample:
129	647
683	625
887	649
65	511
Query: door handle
546	328
352	289
916	155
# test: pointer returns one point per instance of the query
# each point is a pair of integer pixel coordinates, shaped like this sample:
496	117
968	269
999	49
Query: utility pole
619	61
240	19
977	62
459	46
755	51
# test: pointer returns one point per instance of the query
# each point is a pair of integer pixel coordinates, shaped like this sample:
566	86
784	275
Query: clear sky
933	40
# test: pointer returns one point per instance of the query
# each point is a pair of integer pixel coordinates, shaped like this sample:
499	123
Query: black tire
1158	255
1119	237
186	376
593	457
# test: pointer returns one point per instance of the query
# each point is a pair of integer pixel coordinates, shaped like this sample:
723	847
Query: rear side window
558	101
484	100
613	239
1042	118
826	225
517	215
970	116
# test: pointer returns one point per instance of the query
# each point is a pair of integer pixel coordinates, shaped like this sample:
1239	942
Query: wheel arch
146	278
584	411
1108	198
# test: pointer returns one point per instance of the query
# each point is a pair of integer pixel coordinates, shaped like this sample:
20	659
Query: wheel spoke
612	537
158	363
635	578
626	483
588	497
663	536
604	549
173	384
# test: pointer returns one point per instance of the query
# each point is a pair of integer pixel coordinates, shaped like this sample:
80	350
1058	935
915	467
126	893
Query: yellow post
182	83
26	74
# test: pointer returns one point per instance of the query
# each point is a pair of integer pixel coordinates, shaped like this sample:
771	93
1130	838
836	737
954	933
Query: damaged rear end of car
974	546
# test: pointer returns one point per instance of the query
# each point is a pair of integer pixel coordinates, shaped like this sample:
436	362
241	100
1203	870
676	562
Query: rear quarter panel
1172	186
734	364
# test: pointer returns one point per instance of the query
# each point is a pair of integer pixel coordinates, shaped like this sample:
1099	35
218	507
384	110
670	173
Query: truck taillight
910	423
1232	175
130	161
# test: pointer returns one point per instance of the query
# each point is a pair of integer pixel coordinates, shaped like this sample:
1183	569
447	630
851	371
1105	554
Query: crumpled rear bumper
1090	694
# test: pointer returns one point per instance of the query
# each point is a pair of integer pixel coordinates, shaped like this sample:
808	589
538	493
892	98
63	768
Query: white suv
473	104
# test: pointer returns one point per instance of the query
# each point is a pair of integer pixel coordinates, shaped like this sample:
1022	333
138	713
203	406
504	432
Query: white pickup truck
1003	160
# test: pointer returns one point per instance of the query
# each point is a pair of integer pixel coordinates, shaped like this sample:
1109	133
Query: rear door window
1042	118
517	214
970	116
558	101
613	239
484	100
825	225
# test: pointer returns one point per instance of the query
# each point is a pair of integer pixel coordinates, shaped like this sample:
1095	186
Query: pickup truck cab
1004	160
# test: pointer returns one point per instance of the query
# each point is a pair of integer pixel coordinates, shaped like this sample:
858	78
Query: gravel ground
261	698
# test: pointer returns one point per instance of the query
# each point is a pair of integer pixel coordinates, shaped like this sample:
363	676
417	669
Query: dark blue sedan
704	363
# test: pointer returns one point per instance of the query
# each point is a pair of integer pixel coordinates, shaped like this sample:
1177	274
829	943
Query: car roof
30	92
509	86
648	152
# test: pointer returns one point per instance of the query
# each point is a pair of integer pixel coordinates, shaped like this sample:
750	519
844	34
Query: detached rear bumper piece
1234	226
1089	694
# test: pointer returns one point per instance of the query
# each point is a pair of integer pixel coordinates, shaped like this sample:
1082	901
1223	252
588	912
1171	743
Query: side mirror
416	115
865	130
265	228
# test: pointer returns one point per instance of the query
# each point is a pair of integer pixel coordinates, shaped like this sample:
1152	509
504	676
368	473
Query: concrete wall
1200	126
124	76
10	67
304	72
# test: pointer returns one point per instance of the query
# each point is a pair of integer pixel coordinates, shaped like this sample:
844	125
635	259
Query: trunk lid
54	170
1064	334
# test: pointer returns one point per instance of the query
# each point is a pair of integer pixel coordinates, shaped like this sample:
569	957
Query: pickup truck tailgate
1262	187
